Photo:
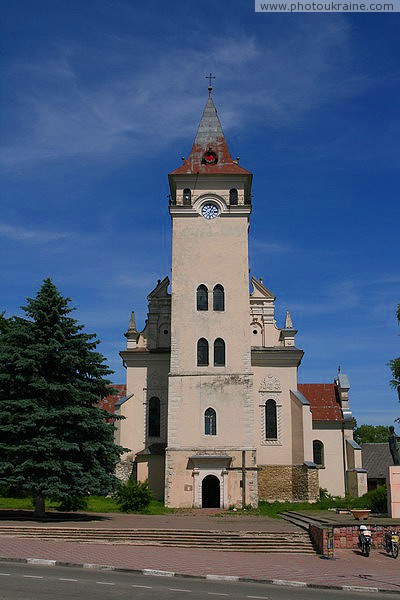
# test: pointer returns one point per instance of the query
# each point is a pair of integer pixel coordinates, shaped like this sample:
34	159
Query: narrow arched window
233	197
271	428
202	297
218	297
202	353
187	197
219	353
318	453
154	417
210	422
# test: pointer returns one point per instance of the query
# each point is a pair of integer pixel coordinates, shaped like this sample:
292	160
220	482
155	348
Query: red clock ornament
209	157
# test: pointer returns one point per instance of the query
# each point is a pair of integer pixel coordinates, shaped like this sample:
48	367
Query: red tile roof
108	403
324	401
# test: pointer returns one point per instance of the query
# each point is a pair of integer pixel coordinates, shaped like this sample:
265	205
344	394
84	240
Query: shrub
377	499
133	496
73	503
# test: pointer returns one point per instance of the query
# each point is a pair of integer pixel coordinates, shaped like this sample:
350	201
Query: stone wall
287	483
305	483
123	470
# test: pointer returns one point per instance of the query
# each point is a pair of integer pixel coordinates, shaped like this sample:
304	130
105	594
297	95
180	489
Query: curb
209	577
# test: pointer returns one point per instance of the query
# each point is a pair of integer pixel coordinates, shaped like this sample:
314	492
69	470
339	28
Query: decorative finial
288	321
338	370
210	77
132	323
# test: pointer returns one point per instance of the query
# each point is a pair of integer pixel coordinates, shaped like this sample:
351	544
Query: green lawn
98	504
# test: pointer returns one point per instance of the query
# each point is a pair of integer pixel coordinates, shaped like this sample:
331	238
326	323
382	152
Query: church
214	413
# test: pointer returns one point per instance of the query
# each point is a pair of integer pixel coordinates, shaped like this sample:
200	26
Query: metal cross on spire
210	77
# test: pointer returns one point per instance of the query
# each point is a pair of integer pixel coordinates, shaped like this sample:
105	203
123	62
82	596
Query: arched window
233	197
202	353
219	353
154	417
318	453
210	422
202	297
187	197
218	297
271	428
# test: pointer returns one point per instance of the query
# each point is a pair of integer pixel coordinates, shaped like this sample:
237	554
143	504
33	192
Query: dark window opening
318	453
210	422
271	428
202	297
187	197
202	353
233	197
219	353
154	417
218	298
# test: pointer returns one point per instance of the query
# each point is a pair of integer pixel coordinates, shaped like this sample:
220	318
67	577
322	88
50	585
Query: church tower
214	413
210	414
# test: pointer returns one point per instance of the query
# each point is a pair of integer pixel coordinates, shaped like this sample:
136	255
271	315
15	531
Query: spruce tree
54	442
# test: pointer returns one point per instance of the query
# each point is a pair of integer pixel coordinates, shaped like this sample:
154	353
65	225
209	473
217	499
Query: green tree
395	366
371	434
54	442
3	322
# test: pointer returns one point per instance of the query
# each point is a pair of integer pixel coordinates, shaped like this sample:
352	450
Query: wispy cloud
133	110
26	234
270	247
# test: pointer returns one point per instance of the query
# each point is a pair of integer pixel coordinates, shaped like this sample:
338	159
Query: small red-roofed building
109	402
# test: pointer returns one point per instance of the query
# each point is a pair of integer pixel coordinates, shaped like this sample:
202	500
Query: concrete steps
301	520
228	541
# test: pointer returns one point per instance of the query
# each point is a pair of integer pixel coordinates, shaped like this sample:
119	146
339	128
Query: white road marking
5	574
65	579
259	597
147	587
178	590
33	576
105	583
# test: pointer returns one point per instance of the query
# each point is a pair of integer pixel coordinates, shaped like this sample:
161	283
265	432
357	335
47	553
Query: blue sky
100	99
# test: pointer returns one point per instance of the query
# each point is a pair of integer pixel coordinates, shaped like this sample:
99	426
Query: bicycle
391	543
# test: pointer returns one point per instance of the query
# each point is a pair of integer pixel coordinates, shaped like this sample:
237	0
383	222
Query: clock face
210	211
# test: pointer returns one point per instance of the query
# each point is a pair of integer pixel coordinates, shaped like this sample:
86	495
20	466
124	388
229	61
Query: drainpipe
243	478
344	461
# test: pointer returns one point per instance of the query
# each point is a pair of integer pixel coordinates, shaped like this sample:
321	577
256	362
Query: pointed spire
210	153
210	131
288	321
132	324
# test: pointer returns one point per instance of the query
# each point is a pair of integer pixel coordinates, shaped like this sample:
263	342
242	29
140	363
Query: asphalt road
35	582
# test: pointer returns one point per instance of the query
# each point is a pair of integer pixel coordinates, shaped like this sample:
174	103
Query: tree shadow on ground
50	517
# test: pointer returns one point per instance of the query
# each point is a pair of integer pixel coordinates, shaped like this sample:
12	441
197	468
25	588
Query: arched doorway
210	492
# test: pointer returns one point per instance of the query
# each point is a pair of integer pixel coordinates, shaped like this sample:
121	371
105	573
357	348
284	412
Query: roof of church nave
210	138
324	401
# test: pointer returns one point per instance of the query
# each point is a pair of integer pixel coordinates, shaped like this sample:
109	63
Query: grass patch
96	504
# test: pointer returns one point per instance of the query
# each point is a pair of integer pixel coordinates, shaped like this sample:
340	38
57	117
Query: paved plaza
349	567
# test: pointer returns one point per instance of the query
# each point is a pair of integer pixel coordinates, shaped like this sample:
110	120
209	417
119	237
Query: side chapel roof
324	401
